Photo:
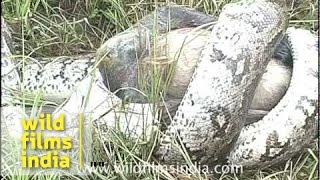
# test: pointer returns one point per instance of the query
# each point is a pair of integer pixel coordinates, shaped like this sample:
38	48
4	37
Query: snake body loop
210	121
271	139
211	114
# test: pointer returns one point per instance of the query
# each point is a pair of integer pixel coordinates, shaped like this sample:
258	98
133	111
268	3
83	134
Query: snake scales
210	119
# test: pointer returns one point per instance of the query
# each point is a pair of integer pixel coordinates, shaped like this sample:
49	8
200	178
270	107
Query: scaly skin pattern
55	78
9	75
211	114
292	124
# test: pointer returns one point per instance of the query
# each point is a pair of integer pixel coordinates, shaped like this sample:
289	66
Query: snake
210	121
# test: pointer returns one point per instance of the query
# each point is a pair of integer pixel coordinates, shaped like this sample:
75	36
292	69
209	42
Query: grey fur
211	115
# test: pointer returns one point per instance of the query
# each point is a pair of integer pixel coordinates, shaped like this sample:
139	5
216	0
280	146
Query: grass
68	27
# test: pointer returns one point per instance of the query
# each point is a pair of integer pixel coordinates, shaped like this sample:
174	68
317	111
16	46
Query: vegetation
68	27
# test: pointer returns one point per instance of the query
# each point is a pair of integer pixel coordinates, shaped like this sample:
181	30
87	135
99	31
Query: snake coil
209	123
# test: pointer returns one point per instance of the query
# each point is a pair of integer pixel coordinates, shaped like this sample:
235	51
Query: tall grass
67	27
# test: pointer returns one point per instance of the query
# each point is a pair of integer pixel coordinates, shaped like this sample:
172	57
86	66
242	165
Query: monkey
184	47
